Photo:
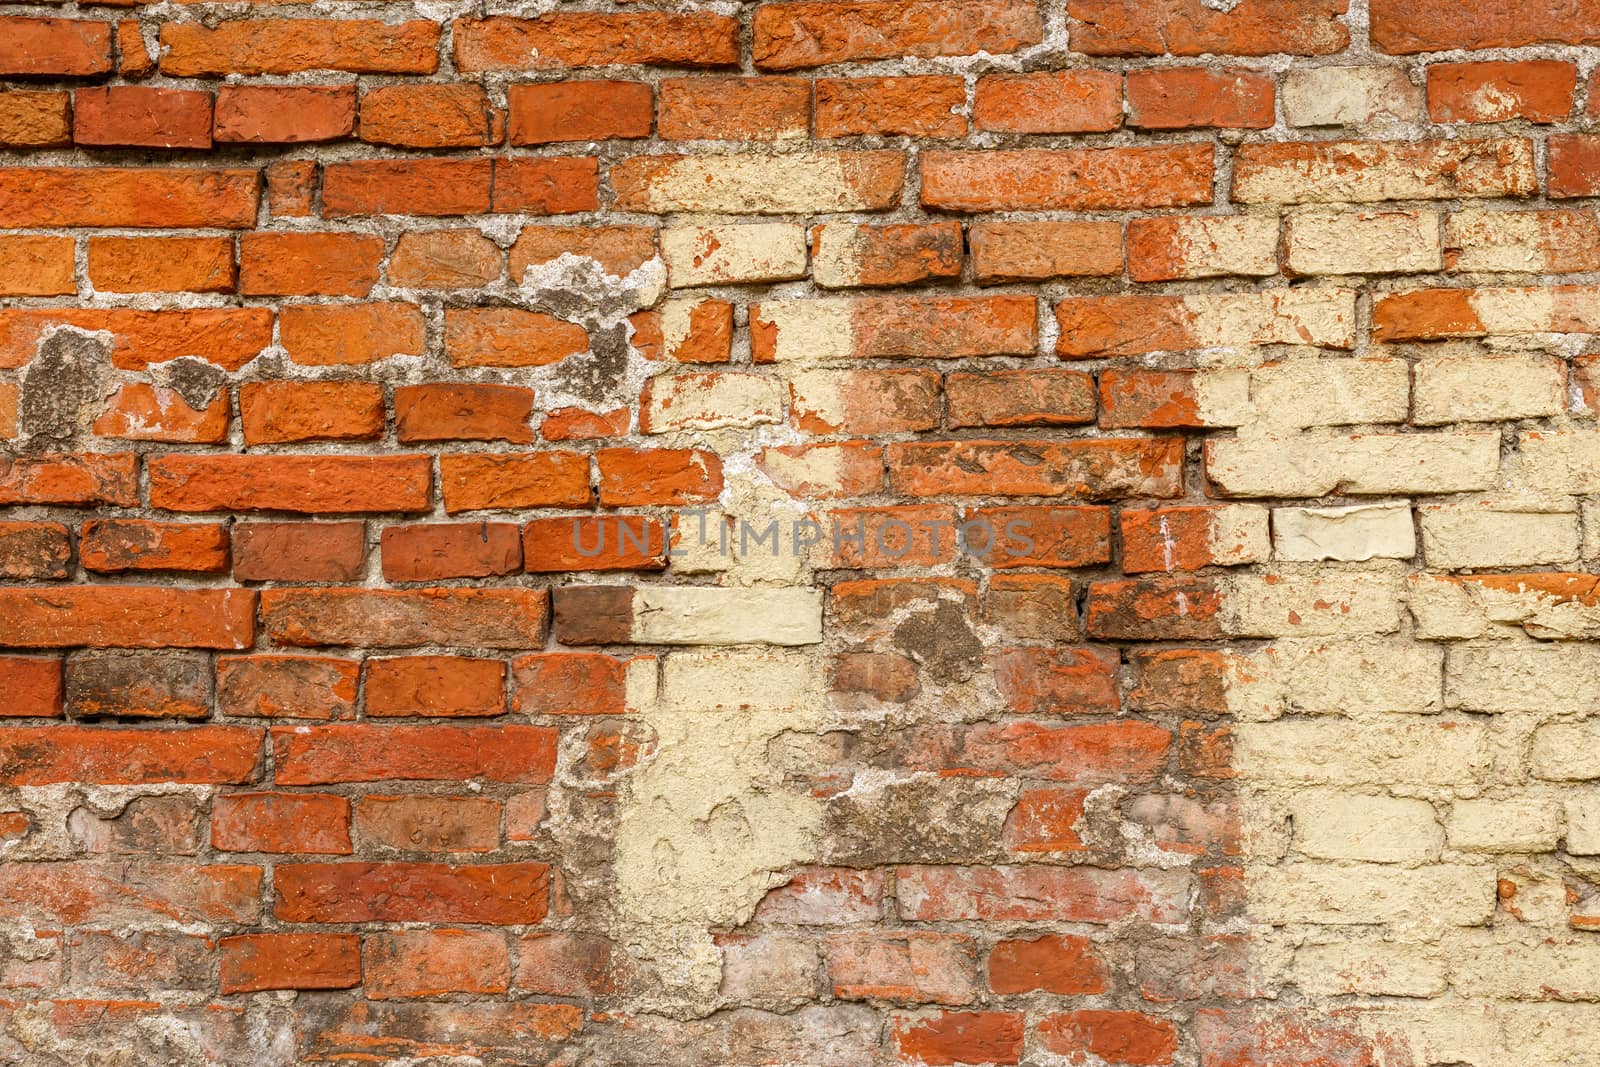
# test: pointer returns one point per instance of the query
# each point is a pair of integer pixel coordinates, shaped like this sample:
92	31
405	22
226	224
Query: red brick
1402	27
925	106
1020	398
631	477
814	34
1121	752
886	255
1536	90
1186	968
481	481
733	109
133	116
143	412
288	687
127	196
290	188
58	48
546	185
1191	28
1180	99
36	265
299	551
281	822
1060	681
953	1037
509	337
31	119
619	250
255	962
308	264
1574	165
1031	251
1077	101
501	894
1190	681
487	618
463	412
1085	179
288	46
407	187
138	685
425	963
444	686
1032	606
32	686
551	112
141	960
128	892
429	823
484	1030
576	424
126	616
113	546
1155	609
708	336
1090	469
1149	399
227	337
910	967
886	677
121	755
568	964
324	335
319	755
1063	894
309	484
434	551
594	543
584	39
69	480
284	114
445	259
34	550
289	411
569	683
161	264
1169	539
133	58
430	116
1063	964
1128	1037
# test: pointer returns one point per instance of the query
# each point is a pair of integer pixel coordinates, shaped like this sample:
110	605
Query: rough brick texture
800	533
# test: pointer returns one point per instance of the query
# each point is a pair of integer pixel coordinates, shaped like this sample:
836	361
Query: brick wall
360	363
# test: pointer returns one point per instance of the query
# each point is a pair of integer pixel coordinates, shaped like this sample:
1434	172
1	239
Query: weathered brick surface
828	532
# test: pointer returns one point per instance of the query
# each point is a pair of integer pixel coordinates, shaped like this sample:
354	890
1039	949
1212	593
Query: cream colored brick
1527	242
1515	824
1583	823
759	184
1354	534
1349	96
1367	464
1348	894
1446	608
1504	967
1567	752
1330	392
1559	462
715	401
1488	389
1330	751
1542	1035
738	680
1363	242
1531	678
1324	317
1216	246
1371	968
1239	535
730	255
1371	171
1356	826
1498	533
1311	604
704	615
1354	677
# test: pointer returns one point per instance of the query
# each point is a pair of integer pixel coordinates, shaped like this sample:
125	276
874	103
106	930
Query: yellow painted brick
1566	752
1354	534
734	255
1312	465
718	400
1349	96
1217	246
738	679
1498	533
1559	462
1488	388
1531	678
1330	392
1583	823
1527	242
1501	967
1356	826
1514	824
1372	968
1339	677
1344	894
1421	751
1363	242
1363	172
701	615
1311	604
1452	609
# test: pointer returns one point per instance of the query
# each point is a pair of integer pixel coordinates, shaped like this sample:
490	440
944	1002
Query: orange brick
141	412
734	109
426	963
114	546
132	116
619	250
583	39
62	48
483	481
255	962
288	46
285	412
430	116
463	412
407	187
284	114
445	259
550	112
1085	179
1536	90
324	335
127	196
290	188
930	106
299	551
446	686
36	266
1031	251
293	687
30	119
812	34
642	477
1230	97
428	823
509	337
1193	28
161	264
438	550
281	822
1078	101
308	264
593	543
